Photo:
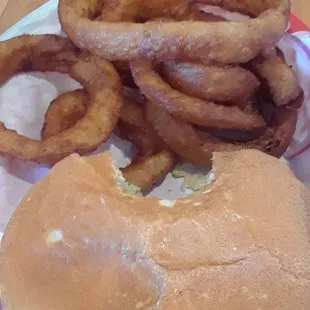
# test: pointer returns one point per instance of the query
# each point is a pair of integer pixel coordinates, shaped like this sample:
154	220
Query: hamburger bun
77	241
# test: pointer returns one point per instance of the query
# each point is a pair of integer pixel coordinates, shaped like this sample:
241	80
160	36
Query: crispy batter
144	172
277	137
67	109
223	84
64	112
101	81
278	79
133	127
227	84
180	136
189	109
155	159
223	43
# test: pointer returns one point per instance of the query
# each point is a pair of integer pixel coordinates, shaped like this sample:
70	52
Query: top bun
78	242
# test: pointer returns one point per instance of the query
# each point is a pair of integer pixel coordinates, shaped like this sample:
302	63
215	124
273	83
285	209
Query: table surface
13	10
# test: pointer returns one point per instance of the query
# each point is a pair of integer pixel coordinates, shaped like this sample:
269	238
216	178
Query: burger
80	240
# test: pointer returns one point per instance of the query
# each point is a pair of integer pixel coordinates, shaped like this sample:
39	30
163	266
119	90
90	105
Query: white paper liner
25	98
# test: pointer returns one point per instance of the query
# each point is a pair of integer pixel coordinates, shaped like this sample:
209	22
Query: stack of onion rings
154	159
164	112
210	84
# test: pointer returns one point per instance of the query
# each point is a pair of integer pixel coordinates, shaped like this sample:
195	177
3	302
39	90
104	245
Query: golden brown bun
77	242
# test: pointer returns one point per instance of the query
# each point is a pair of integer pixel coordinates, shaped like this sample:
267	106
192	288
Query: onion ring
133	127
279	81
144	172
155	159
222	84
187	108
228	84
50	52
197	147
67	109
222	42
180	136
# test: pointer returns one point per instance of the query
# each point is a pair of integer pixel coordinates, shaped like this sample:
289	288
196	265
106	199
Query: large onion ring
189	109
279	81
101	81
222	42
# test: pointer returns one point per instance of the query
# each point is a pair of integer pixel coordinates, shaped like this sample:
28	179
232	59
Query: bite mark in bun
241	244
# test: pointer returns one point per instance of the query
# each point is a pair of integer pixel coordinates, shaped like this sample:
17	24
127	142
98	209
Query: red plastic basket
297	25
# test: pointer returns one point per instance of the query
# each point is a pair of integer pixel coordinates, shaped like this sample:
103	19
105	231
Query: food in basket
181	85
221	85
